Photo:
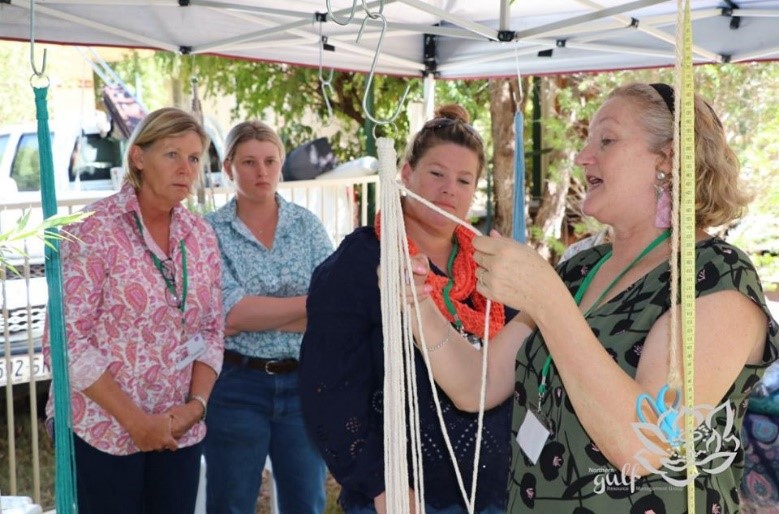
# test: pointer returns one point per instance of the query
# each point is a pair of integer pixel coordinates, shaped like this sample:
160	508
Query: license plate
18	368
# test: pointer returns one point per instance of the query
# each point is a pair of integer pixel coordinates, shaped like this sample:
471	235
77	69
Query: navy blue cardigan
341	382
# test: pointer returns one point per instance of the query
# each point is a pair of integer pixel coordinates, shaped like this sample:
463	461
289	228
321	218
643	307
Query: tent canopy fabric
447	38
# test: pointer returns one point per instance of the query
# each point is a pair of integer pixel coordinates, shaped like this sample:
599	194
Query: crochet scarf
463	291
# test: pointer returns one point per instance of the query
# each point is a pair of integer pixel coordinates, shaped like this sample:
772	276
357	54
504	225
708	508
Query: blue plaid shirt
249	268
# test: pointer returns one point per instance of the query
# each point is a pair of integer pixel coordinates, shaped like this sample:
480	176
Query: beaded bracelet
442	342
199	399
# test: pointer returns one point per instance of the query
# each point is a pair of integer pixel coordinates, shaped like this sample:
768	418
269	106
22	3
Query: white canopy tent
441	38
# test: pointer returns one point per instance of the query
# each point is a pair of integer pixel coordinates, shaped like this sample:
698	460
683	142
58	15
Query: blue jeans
454	509
252	415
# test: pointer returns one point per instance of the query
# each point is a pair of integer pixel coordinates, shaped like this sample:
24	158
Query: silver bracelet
443	342
199	399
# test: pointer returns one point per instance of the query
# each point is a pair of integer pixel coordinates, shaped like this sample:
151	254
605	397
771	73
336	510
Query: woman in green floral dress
593	336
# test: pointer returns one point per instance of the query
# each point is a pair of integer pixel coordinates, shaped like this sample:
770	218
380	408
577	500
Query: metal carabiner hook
325	84
369	81
36	71
373	15
333	17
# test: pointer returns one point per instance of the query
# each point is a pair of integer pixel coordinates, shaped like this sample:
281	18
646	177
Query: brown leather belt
269	366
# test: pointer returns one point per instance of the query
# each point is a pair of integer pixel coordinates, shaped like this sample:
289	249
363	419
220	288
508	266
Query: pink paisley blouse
119	318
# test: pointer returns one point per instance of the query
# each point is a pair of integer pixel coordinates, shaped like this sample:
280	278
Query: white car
23	299
87	157
83	155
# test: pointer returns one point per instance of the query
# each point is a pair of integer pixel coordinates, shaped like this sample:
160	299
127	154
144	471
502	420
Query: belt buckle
267	367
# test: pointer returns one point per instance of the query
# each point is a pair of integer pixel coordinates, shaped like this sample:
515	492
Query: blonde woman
144	324
270	248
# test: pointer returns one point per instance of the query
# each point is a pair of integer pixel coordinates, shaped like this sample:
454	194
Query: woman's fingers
420	268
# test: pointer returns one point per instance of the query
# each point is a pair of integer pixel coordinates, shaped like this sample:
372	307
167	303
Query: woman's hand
183	417
152	432
514	274
420	268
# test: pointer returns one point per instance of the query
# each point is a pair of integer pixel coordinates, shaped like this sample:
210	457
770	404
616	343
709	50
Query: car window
3	144
94	156
25	169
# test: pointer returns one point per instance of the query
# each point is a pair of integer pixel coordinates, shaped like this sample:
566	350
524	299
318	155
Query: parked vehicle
87	157
87	166
24	296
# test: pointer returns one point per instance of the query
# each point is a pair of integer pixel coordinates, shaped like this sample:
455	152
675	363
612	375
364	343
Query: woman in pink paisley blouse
144	324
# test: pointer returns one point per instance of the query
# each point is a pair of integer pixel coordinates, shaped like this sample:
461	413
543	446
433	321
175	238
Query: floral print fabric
118	318
284	270
572	476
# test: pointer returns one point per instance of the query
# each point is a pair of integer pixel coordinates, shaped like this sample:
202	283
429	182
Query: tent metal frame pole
651	31
756	13
621	49
655	21
505	13
584	18
759	54
42	9
251	9
476	28
406	65
245	38
428	96
453	65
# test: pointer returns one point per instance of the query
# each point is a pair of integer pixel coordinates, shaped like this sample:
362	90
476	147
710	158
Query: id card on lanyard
165	272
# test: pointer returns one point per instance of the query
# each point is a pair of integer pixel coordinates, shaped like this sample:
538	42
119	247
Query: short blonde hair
157	125
720	196
248	131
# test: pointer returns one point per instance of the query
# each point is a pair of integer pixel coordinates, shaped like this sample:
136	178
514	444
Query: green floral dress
571	475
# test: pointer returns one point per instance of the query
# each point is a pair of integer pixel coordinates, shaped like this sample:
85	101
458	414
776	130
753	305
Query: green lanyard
583	288
448	288
169	282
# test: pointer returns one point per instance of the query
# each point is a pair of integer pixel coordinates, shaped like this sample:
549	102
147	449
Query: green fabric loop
63	433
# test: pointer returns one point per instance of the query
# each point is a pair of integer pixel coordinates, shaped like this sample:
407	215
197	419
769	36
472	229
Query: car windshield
3	144
26	164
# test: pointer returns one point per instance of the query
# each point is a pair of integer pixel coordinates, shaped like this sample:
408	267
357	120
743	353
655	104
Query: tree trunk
502	108
550	216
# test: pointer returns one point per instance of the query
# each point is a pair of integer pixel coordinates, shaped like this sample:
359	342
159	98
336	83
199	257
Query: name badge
533	434
193	349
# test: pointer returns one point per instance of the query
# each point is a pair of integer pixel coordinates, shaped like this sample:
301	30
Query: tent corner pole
429	96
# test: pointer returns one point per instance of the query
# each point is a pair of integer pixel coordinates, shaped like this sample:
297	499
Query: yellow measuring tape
687	246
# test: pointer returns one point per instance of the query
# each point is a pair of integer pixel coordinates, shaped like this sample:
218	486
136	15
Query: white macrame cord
400	376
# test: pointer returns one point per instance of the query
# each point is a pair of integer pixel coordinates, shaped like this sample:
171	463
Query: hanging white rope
399	358
395	462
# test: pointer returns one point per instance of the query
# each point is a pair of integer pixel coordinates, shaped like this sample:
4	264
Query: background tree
739	92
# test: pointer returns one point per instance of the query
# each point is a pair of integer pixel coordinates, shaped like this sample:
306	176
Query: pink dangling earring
663	195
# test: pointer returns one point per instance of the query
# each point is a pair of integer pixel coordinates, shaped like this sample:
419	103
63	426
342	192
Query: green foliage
45	231
15	84
740	93
295	95
149	73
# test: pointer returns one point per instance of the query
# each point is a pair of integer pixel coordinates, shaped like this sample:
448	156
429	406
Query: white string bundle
400	374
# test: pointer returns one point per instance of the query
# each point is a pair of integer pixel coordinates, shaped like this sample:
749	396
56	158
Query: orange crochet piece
464	273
